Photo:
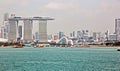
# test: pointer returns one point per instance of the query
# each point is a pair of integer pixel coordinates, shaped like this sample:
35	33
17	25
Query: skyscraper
27	31
79	34
6	16
61	34
73	33
42	31
36	36
12	30
20	31
117	29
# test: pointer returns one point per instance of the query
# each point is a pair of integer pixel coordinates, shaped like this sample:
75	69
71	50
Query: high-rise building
61	34
73	33
56	37
12	30
2	32
117	29
36	36
107	35
43	31
6	16
27	31
20	31
97	36
50	37
79	34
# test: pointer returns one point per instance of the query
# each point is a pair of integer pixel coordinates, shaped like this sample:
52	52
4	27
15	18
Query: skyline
70	15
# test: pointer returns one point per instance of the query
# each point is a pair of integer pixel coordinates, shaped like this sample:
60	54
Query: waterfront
59	59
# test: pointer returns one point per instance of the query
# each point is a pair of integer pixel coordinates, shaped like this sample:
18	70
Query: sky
70	15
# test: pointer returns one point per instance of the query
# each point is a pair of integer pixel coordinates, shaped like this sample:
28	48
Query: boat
81	44
28	45
18	46
118	49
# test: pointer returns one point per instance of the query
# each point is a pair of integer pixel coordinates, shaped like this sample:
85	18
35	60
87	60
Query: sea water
59	59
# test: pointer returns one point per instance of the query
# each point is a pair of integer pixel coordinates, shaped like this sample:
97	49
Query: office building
73	33
36	36
56	37
20	31
112	37
95	36
117	29
6	16
61	34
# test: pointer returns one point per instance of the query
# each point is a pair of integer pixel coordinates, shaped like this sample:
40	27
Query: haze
70	15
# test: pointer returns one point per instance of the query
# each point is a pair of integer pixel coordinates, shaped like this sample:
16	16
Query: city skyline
70	15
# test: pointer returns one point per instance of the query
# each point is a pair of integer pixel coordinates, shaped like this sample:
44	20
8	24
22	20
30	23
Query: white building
112	37
28	31
43	31
12	30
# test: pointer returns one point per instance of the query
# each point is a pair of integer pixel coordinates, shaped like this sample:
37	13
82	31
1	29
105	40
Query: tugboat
118	49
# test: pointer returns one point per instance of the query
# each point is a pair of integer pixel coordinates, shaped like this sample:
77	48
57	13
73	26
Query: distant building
79	34
0	32
28	31
95	36
12	30
43	31
50	37
73	33
56	37
20	27
112	37
5	26
6	16
61	34
36	36
117	29
107	35
20	31
65	40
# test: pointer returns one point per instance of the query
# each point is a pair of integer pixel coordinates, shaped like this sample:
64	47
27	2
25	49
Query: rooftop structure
13	31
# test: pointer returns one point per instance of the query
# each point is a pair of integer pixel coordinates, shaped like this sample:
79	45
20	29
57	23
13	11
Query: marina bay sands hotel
26	32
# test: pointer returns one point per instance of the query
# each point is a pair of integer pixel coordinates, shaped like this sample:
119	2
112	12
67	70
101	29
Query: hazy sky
70	15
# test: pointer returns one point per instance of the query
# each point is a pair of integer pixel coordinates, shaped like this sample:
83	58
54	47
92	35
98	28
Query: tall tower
27	31
43	31
12	30
6	16
61	34
20	31
117	29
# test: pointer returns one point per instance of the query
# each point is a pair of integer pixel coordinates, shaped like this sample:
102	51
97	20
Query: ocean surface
59	59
